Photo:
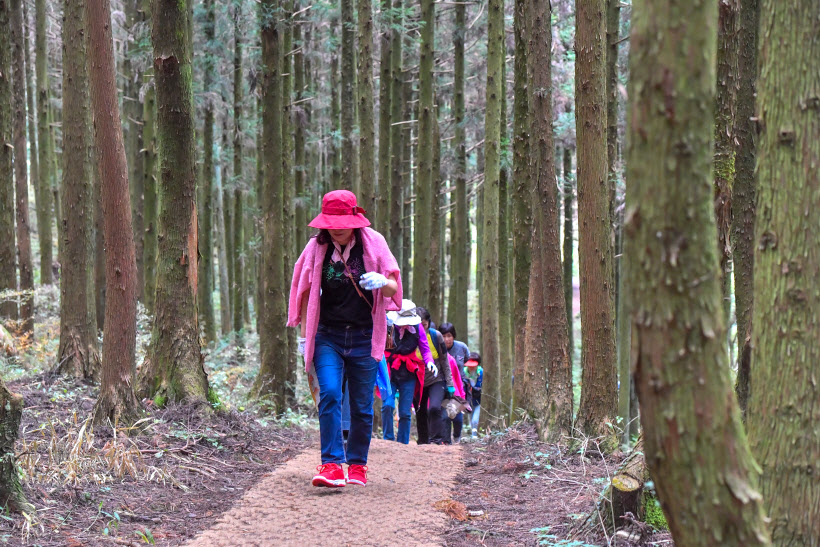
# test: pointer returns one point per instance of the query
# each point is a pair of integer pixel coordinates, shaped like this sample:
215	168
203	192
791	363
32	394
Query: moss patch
160	400
213	398
653	513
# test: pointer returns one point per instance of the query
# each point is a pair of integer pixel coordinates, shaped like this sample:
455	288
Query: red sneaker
357	474
330	475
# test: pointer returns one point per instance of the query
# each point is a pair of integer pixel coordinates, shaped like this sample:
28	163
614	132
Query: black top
341	305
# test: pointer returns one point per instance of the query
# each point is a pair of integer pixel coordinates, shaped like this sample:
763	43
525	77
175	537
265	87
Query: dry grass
77	457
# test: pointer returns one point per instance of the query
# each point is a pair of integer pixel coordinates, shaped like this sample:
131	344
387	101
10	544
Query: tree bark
568	246
689	414
397	179
99	242
348	99
434	252
11	413
8	270
238	300
424	184
206	191
489	296
150	201
273	381
31	122
367	136
548	377
287	174
383	198
44	148
222	256
522	179
21	170
117	402
727	65
78	354
743	194
783	407
599	390
132	111
174	369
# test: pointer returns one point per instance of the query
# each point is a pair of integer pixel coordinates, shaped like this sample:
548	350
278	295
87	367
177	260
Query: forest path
395	508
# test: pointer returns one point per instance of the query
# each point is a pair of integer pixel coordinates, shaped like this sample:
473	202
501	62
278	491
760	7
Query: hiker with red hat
344	282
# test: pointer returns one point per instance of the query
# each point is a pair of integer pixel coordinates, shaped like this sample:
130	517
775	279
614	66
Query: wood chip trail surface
395	508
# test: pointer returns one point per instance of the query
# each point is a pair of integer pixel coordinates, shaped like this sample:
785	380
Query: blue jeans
345	353
405	390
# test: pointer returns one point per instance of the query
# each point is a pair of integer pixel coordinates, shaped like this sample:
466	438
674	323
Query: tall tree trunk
423	206
569	240
689	414
99	242
11	413
8	270
206	244
434	304
407	179
489	296
273	381
150	200
522	177
783	407
335	125
547	375
384	193
348	99
613	30
287	173
744	194
132	110
44	148
599	390
505	326
397	134
174	369
78	354
117	402
21	169
222	257
238	300
367	136
225	181
31	122
727	65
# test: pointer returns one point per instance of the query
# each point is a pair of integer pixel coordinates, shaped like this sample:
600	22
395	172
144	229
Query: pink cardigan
307	277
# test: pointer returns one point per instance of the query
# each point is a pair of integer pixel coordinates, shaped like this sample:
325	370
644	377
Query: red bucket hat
340	212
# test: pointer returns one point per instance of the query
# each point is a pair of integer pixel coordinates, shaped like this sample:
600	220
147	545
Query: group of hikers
357	335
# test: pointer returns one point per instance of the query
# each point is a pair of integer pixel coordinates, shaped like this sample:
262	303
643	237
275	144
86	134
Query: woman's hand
372	281
432	368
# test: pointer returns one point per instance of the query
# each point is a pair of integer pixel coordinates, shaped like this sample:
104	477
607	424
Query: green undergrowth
652	512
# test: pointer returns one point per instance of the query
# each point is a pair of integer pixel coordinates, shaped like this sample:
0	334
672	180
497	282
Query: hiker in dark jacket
436	387
459	352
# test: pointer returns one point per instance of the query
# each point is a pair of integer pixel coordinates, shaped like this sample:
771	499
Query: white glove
372	281
432	368
301	346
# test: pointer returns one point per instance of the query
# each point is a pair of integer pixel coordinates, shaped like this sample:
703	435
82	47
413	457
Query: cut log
625	495
11	412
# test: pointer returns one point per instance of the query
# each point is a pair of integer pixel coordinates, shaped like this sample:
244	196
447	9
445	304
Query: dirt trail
395	508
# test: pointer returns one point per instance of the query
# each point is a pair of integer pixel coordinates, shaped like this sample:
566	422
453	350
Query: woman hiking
343	284
408	360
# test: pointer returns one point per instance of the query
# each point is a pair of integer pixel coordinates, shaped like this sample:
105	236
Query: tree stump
11	412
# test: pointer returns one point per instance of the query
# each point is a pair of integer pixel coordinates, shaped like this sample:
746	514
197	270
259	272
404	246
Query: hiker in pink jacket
343	284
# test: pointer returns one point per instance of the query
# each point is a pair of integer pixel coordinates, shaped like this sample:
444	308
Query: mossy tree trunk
397	179
287	175
383	196
783	411
489	295
132	112
117	402
78	354
347	98
150	201
568	245
744	194
727	66
238	300
547	375
599	390
11	413
8	272
24	263
273	380
44	147
424	183
696	449
206	189
174	369
367	135
522	178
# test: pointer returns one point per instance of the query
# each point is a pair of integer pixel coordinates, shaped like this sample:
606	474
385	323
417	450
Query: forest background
173	152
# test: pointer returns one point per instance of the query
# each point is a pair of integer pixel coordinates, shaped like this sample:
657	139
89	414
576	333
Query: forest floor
236	476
